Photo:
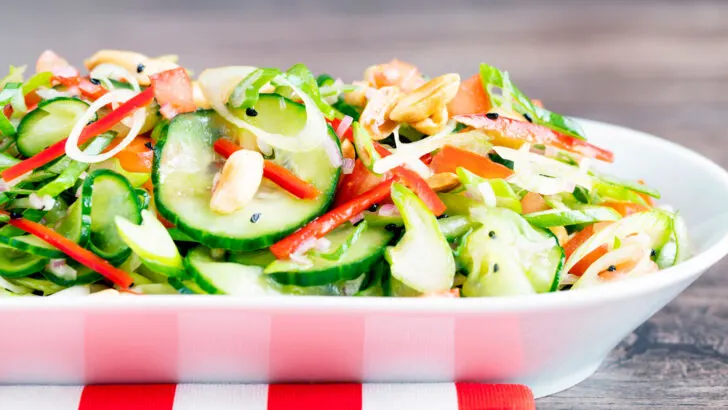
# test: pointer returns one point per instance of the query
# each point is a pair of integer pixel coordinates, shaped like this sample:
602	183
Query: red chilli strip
332	219
92	130
273	172
73	250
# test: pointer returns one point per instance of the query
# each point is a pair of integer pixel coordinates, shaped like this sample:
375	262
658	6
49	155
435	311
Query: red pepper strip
344	212
332	219
449	158
348	135
289	181
420	187
512	133
73	250
99	127
273	172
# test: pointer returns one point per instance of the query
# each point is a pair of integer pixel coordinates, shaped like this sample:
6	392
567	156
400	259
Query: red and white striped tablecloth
434	396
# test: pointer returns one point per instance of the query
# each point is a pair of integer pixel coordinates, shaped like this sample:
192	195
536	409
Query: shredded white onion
50	93
344	126
357	218
332	152
347	165
388	210
301	259
72	149
486	191
306	246
60	268
420	168
323	244
217	85
72	292
544	175
115	72
406	153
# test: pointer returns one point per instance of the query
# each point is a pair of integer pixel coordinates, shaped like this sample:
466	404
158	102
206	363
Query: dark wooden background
657	66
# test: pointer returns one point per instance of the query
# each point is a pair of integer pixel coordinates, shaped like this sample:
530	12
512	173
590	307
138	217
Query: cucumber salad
137	177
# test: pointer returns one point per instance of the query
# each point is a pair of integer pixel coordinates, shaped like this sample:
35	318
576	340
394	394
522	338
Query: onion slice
217	84
72	149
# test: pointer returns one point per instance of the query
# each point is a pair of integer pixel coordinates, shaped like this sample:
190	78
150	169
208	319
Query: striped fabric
436	396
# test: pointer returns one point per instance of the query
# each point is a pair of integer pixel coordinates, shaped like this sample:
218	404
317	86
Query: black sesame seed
527	116
443	216
254	218
148	145
140	68
653	253
95	81
611	268
15	215
495	268
374	208
391	227
492	115
491	234
250	112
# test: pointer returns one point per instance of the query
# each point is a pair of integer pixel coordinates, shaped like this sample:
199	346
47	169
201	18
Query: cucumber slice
452	227
152	243
106	195
49	123
15	263
422	259
507	256
70	226
677	249
657	224
226	278
585	214
185	166
84	276
262	258
186	287
358	259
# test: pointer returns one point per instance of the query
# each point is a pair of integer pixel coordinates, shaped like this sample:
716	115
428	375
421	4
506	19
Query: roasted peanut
238	182
130	60
443	182
427	100
375	117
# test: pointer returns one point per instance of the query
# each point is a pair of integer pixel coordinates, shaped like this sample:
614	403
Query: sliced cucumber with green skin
186	287
566	217
360	257
422	259
7	161
15	263
452	227
508	256
152	243
49	123
84	276
262	258
226	278
76	225
106	195
677	249
185	165
656	224
70	226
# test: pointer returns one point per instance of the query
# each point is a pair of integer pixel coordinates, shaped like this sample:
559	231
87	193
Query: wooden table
660	67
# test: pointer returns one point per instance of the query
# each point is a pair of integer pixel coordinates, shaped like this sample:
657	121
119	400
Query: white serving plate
549	342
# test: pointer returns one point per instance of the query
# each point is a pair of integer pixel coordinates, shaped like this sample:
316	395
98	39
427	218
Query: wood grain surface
657	66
